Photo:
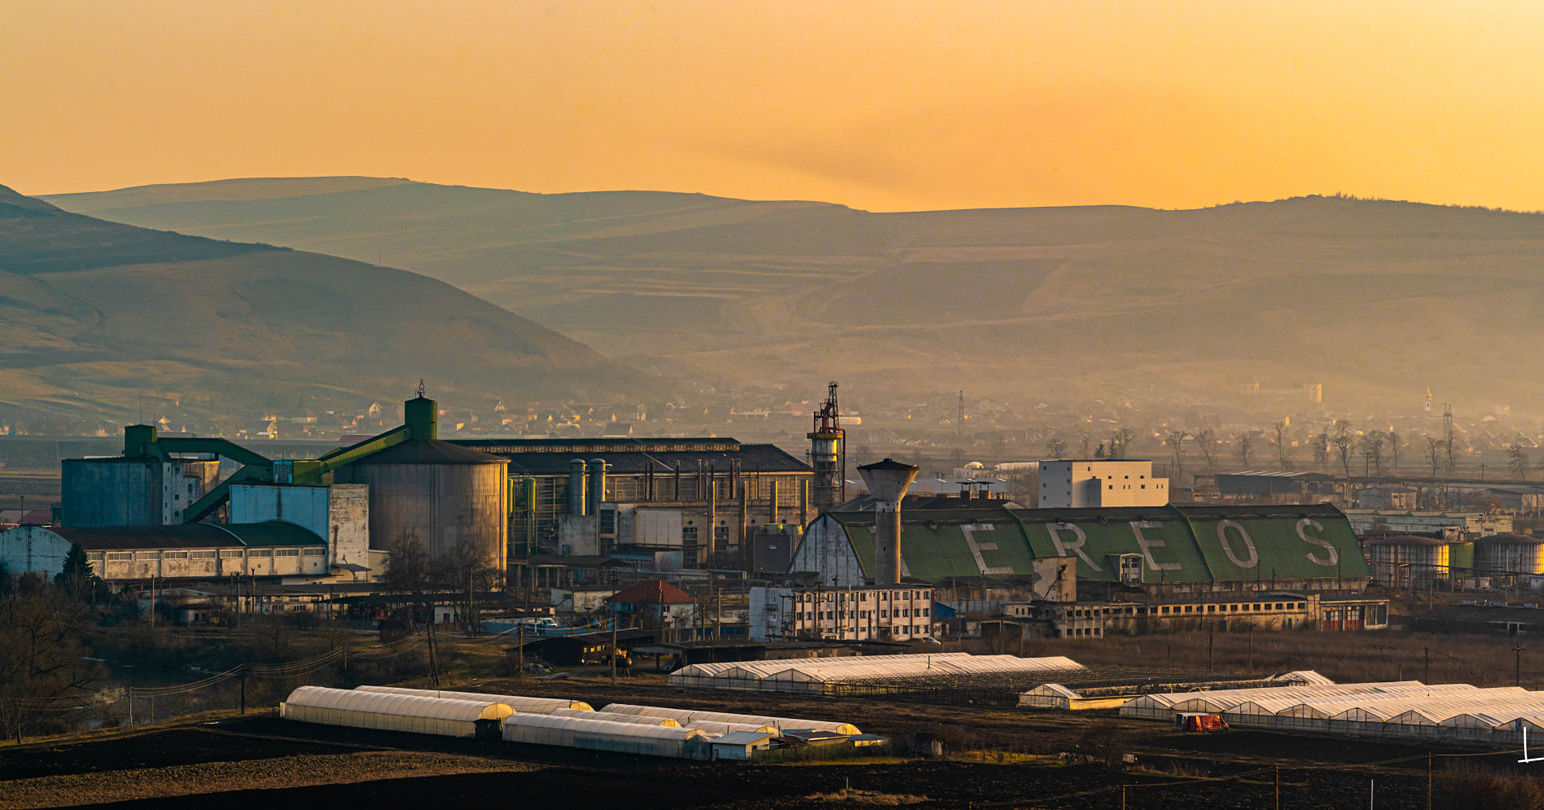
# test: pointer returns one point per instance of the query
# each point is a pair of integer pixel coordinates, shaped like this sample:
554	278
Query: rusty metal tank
445	496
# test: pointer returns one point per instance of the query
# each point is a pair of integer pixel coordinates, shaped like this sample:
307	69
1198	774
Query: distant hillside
94	314
1375	300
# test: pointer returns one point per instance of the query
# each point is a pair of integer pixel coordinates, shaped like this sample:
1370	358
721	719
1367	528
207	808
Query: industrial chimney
887	482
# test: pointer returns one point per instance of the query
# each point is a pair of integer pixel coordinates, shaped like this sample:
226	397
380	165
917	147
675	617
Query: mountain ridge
1376	300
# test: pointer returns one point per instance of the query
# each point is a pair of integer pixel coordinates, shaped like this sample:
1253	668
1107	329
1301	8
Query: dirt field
997	758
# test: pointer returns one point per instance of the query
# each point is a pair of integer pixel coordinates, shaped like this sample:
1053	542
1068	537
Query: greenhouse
605	735
415	714
716	730
1452	713
686	717
591	714
524	705
874	674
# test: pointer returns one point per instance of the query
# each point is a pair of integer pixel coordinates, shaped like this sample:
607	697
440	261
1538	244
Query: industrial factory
746	540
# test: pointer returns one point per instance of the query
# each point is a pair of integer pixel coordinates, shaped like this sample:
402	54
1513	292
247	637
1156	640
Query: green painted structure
1280	545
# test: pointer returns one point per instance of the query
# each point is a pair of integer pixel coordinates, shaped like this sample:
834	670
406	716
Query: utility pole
520	653
1517	673
614	650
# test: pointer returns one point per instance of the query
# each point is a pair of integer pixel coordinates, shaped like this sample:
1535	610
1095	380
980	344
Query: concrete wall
110	492
348	512
1093	483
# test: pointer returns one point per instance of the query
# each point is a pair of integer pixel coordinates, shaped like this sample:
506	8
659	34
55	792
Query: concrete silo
445	496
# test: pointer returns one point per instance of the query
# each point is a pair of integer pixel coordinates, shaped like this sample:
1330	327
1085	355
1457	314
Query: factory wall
340	513
128	491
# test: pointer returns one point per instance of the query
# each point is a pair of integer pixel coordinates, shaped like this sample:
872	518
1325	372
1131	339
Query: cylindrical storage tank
451	499
598	467
1407	561
520	703
603	735
1461	559
1508	555
578	501
414	714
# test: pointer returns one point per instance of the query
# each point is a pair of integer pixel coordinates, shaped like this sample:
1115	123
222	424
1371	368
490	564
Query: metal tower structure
828	455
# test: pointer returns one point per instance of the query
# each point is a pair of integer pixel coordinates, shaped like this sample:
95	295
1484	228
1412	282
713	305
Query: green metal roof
273	533
1176	543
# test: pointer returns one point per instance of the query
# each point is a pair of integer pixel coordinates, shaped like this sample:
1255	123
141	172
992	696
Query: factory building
692	500
1170	549
192	551
1093	483
841	614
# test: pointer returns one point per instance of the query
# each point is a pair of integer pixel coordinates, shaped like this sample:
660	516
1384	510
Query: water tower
887	482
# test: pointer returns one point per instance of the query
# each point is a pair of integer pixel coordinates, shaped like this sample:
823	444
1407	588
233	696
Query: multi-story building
1092	483
841	614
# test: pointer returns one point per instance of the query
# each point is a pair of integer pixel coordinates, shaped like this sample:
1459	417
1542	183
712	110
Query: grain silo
1407	560
1508	555
451	499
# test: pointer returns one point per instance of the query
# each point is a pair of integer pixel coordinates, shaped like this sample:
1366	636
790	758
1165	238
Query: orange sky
880	105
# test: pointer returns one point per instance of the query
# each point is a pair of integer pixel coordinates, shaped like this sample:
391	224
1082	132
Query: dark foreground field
998	758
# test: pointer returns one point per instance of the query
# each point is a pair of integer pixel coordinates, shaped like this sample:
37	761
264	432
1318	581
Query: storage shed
391	712
739	744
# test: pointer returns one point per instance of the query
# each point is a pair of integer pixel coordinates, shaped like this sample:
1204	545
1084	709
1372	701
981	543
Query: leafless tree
1517	460
1394	451
1245	447
1321	449
1434	453
1281	444
1119	441
1055	447
1342	442
1083	439
1371	446
1206	442
1176	443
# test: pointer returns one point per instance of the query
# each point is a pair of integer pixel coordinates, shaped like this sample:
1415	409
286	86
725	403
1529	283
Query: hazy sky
880	105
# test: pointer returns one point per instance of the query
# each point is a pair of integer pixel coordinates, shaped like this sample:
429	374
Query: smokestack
887	482
576	490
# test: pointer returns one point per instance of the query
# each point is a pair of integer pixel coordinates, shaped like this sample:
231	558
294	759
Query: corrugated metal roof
109	538
638	456
1177	543
429	451
273	533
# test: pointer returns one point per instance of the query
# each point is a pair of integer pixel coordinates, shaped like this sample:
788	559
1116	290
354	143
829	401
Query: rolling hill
95	314
1376	300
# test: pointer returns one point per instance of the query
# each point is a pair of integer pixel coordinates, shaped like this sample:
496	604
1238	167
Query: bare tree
1055	447
1342	442
1119	441
1394	451
1206	442
1245	446
1281	444
1321	449
1517	460
1176	443
1371	446
1083	439
1434	453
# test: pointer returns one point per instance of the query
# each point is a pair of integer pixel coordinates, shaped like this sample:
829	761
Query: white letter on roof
1055	529
1222	539
1302	534
976	548
1150	543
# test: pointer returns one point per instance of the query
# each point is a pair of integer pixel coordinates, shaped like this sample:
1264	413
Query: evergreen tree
77	578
